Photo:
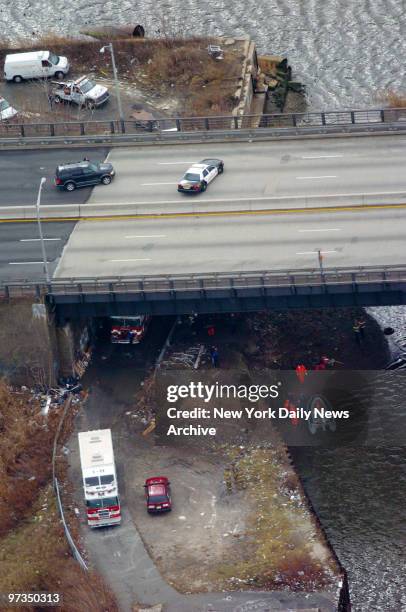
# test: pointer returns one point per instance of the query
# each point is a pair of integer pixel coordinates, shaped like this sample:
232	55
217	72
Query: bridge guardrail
176	128
292	280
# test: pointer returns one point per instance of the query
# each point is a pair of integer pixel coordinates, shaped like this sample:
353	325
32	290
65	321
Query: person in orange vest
301	372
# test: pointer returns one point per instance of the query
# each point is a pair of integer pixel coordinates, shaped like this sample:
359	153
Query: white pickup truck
83	92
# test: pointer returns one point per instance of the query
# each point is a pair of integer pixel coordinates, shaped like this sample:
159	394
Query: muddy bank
284	339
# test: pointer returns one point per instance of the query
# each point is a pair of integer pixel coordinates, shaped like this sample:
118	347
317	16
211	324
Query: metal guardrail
206	283
74	549
173	128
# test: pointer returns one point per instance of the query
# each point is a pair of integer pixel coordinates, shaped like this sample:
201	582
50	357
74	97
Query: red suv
158	494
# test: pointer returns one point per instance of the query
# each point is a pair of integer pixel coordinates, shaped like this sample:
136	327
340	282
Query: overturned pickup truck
83	92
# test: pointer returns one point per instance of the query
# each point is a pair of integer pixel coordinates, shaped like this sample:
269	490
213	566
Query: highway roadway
203	243
234	243
329	166
149	174
20	249
21	172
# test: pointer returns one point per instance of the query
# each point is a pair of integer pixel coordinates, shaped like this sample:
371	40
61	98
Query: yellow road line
220	213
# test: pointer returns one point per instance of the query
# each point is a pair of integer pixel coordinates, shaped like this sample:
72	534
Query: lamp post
116	83
44	256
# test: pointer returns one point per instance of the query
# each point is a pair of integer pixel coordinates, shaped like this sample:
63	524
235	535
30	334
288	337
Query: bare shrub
26	443
36	557
393	99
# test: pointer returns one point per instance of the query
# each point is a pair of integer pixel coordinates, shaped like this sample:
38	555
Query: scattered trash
150	428
79	367
192	358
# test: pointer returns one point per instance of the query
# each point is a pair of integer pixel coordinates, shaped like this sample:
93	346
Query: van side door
45	68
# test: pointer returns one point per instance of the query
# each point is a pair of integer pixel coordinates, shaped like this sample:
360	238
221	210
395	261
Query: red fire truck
99	478
128	330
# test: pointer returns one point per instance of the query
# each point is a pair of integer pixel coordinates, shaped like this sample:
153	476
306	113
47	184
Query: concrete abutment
35	347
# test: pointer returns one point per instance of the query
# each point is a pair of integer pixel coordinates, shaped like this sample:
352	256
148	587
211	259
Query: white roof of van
28	56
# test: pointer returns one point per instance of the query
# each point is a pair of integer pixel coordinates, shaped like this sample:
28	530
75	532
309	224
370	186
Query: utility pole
116	83
44	255
320	257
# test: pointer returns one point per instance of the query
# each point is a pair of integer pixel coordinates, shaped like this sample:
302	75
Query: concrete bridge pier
35	347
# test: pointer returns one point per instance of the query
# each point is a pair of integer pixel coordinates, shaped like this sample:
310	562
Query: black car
82	174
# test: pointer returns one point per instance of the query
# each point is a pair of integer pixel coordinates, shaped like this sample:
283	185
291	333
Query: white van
34	65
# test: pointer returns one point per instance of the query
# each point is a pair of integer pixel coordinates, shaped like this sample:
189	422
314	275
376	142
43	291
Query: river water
357	484
345	51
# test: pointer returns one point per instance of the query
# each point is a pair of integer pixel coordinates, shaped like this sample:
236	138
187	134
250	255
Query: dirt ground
163	77
238	519
206	525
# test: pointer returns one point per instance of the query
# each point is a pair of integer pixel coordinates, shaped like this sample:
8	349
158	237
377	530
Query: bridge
320	208
216	292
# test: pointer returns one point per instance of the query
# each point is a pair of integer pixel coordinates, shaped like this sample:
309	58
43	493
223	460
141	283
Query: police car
199	175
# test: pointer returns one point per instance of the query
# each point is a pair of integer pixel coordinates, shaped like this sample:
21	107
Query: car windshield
191	177
87	85
93	167
4	105
53	58
157	499
106	502
108	479
133	322
92	481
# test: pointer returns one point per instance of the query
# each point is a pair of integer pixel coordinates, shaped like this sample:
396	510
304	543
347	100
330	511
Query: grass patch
25	454
279	539
35	557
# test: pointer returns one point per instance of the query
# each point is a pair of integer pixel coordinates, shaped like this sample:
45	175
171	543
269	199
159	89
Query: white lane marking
153	184
37	239
146	236
314	252
24	263
327	229
124	260
299	178
173	163
320	156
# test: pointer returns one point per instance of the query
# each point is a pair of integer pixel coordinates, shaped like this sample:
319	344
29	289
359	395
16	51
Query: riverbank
290	337
280	340
158	79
